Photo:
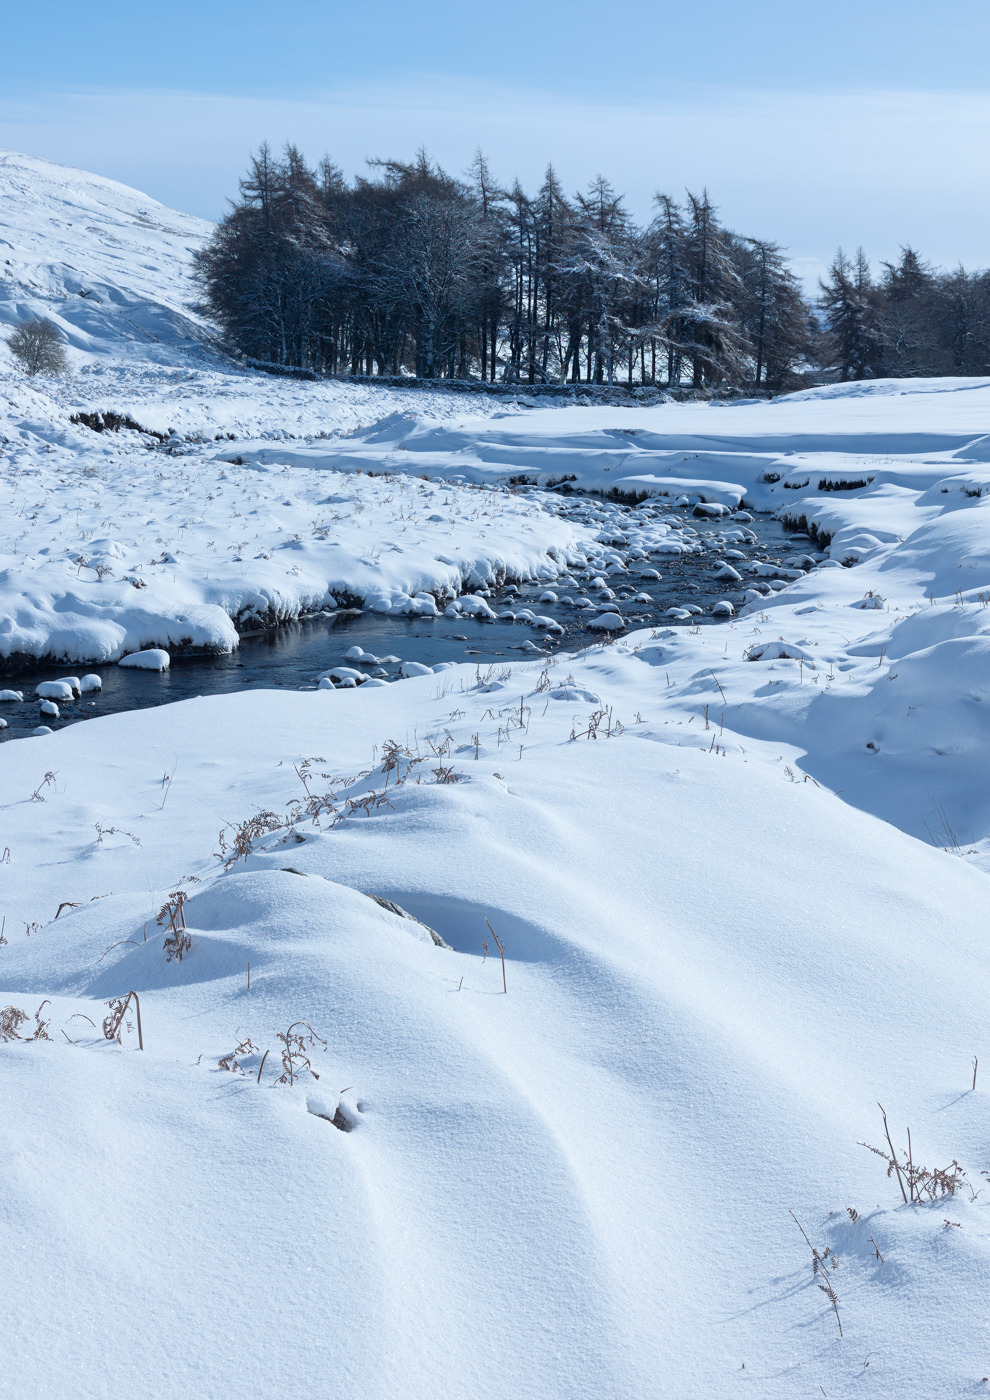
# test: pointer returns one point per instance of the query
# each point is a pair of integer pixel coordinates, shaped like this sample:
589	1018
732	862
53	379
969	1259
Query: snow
739	872
638	1041
153	659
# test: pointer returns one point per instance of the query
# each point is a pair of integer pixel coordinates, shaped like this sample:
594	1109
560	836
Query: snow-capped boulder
54	690
154	659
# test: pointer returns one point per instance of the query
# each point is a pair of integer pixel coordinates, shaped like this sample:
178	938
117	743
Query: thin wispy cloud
810	169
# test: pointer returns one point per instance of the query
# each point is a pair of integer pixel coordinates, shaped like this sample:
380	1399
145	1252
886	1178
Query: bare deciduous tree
38	345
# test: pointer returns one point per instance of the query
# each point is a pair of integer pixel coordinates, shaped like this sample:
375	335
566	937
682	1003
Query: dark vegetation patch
110	422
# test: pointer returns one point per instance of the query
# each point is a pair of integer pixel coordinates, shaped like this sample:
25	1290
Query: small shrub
38	346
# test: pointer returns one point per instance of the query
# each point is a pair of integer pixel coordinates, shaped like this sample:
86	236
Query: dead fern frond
177	941
10	1018
922	1184
113	1022
41	1027
243	837
229	1062
47	780
823	1262
295	1061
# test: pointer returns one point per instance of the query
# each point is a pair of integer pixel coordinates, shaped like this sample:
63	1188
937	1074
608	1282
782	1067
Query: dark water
295	655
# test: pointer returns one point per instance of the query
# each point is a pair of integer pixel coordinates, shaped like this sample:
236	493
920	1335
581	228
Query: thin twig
118	945
910	1166
168	785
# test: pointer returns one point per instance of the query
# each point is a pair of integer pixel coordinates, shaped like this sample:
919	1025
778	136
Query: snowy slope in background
109	265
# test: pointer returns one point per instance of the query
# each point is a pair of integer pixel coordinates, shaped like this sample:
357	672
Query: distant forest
414	271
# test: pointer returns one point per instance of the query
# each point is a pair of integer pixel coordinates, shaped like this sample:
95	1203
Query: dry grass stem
501	948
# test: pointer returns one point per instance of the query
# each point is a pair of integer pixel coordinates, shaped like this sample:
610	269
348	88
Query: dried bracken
12	1018
238	845
177	940
41	1027
295	1061
917	1183
598	720
118	1008
229	1062
47	780
102	831
822	1262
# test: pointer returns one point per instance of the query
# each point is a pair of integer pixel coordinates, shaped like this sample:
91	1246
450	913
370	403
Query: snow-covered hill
109	265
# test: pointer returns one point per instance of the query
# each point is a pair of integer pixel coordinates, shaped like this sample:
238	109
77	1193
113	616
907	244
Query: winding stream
294	656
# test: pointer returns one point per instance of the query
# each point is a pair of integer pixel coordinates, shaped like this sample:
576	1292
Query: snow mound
776	651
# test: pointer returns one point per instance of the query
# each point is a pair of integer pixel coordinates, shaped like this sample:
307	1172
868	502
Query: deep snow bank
713	971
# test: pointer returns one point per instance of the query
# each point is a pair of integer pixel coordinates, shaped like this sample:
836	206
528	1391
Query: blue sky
855	122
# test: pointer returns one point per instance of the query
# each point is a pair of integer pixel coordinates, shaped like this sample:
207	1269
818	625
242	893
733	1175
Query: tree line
911	320
410	270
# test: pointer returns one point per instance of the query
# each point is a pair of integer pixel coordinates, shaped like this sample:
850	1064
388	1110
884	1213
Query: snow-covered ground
738	871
